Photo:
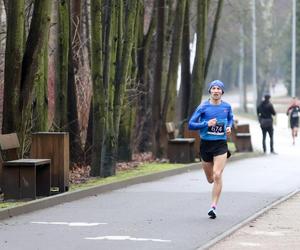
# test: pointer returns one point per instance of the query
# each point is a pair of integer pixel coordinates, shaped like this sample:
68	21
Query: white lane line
125	238
276	233
70	224
249	244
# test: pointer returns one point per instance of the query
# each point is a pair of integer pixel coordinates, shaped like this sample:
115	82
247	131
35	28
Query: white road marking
268	233
249	244
125	238
70	224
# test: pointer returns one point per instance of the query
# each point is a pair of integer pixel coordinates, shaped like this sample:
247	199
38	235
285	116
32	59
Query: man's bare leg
219	165
208	170
294	134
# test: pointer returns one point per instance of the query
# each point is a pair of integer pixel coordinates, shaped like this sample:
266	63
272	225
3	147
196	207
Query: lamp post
293	83
254	56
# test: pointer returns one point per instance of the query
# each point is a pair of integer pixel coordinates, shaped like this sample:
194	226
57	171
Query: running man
213	118
293	112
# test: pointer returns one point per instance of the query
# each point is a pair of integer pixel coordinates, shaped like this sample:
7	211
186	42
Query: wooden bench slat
27	162
9	141
180	140
243	134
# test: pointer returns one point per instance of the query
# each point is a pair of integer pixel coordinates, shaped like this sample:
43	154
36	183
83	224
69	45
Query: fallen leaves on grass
80	173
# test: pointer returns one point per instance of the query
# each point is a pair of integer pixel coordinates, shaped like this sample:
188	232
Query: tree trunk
125	147
242	85
185	84
213	37
109	57
13	65
73	82
88	146
157	84
265	72
81	65
98	87
73	126
40	103
2	52
168	109
61	93
122	72
142	136
6	6
35	45
198	68
53	66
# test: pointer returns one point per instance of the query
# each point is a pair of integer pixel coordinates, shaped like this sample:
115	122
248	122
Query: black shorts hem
210	149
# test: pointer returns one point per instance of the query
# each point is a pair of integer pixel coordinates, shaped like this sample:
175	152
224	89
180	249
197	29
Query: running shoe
212	213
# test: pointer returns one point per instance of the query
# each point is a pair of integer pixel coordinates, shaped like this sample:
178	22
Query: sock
214	206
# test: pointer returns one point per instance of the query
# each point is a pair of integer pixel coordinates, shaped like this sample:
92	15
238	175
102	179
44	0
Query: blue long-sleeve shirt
207	111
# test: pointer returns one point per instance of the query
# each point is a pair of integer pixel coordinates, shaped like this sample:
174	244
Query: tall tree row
110	71
115	62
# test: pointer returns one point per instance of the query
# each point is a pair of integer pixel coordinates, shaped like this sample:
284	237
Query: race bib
218	129
295	114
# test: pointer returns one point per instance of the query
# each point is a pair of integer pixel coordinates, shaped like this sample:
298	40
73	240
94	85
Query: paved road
165	214
170	213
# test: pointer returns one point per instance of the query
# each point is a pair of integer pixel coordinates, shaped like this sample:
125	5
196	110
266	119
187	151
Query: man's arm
288	110
258	111
195	122
230	118
273	112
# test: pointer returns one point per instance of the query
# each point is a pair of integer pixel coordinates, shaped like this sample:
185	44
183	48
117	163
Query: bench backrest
9	144
242	128
192	134
171	130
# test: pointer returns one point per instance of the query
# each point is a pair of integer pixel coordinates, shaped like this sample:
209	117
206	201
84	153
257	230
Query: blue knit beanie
216	83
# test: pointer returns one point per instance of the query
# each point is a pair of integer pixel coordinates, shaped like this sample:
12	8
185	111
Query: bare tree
35	46
13	64
199	64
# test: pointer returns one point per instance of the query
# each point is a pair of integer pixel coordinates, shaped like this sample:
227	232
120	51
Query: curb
247	221
94	191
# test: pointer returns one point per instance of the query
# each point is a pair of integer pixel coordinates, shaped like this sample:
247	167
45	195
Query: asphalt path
170	213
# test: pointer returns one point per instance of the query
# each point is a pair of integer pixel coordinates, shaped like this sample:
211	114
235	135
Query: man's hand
212	122
228	131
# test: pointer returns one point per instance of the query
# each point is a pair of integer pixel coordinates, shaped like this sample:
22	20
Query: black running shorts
209	149
294	122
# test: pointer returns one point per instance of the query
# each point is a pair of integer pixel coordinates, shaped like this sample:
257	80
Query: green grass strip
127	174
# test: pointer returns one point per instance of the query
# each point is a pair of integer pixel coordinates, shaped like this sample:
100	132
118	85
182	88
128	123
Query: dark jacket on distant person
265	110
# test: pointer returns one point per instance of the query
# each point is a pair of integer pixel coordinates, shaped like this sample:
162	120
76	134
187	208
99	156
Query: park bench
187	133
22	178
180	150
241	137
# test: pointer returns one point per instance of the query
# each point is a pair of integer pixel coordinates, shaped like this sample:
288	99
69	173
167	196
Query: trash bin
54	146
